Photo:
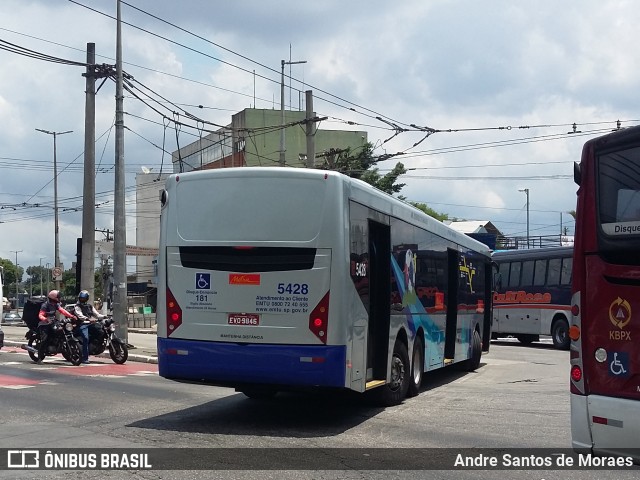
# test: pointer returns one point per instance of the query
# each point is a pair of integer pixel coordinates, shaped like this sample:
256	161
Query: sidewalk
143	340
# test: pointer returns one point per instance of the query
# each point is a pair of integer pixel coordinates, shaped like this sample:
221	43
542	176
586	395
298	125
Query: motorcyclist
87	316
46	315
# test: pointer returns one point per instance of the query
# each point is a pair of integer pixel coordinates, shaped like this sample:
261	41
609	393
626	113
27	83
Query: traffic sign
56	273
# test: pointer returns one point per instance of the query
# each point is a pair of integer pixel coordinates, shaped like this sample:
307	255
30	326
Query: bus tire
560	334
396	390
417	367
476	353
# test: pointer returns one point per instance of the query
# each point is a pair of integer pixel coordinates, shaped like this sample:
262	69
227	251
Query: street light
526	190
16	252
41	293
55	198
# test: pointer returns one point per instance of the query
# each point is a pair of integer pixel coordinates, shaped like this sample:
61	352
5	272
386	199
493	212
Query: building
482	230
253	139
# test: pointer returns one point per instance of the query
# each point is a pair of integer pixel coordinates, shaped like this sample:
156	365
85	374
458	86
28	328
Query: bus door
451	325
379	300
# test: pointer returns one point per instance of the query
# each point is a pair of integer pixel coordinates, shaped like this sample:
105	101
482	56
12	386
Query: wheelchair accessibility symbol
619	366
203	281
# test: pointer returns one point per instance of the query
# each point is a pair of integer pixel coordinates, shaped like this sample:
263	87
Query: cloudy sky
503	82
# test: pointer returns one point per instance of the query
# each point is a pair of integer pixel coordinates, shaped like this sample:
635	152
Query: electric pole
87	257
16	252
120	305
311	144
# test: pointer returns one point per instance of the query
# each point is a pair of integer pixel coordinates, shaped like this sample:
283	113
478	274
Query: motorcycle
102	335
60	339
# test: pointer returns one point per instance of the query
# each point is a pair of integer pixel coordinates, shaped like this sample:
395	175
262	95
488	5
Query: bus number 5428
293	288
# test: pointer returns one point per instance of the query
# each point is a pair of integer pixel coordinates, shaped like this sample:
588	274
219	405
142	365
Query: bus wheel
417	368
560	334
396	390
259	393
476	353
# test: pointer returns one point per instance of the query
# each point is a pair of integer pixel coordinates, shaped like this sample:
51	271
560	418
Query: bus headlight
601	355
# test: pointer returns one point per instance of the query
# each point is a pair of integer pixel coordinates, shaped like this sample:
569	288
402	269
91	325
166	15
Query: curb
132	357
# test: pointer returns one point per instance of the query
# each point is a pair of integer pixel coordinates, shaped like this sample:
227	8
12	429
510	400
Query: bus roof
359	191
532	253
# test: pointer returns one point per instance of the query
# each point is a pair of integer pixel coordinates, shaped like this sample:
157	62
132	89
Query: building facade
253	139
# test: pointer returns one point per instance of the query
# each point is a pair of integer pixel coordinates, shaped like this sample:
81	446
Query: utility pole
119	224
282	136
41	292
311	144
87	258
16	252
526	190
55	200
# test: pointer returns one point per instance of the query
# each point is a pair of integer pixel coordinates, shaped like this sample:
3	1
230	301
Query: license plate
249	319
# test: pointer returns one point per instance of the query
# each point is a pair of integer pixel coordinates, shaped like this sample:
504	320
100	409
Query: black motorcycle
102	335
60	339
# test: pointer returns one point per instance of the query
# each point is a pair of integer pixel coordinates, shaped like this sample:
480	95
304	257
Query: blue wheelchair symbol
619	366
203	281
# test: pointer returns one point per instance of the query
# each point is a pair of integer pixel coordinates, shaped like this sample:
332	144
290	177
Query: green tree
10	273
360	163
430	211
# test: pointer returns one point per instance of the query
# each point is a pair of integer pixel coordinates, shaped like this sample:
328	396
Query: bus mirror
577	173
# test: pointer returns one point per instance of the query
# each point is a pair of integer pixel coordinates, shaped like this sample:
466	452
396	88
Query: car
1	338
12	318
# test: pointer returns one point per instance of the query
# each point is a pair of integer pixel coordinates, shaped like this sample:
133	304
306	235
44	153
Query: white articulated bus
280	278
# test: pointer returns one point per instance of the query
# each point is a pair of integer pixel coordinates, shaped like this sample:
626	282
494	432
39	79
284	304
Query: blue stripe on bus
300	365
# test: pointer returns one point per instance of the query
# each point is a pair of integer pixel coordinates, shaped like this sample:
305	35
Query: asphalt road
517	399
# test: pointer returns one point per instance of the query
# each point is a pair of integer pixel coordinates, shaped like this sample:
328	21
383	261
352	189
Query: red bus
605	331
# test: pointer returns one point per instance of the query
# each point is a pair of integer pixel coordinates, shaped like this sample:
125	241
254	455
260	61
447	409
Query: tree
360	163
10	272
430	211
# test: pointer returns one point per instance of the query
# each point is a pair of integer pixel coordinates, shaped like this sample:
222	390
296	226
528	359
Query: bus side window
504	274
527	274
514	274
553	276
540	273
565	278
498	281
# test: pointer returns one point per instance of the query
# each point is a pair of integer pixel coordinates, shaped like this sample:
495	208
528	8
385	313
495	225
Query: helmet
54	295
83	296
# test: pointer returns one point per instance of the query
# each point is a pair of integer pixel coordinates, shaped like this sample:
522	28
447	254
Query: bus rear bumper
605	425
233	364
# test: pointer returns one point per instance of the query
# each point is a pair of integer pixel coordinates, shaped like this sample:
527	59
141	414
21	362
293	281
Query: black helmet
83	296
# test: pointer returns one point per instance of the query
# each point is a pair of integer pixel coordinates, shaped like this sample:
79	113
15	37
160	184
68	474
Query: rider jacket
84	312
48	311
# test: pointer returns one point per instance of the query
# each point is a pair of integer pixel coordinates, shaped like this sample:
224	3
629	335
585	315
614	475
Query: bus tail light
174	313
319	318
576	373
575	310
574	333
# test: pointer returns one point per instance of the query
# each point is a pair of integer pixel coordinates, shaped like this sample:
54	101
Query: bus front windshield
619	194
